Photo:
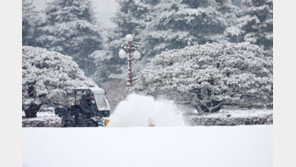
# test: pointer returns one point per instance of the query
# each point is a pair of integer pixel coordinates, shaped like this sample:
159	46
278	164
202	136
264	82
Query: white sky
105	9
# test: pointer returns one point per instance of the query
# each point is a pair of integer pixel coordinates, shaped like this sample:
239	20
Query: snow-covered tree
208	77
71	29
31	21
229	11
48	78
255	24
105	66
163	25
178	23
131	17
237	2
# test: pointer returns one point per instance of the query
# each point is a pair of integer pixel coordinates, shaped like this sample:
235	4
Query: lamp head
137	54
129	38
122	54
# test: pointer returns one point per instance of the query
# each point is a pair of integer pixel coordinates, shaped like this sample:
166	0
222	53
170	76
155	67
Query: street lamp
132	53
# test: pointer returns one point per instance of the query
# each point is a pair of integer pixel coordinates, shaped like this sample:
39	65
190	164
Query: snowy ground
239	146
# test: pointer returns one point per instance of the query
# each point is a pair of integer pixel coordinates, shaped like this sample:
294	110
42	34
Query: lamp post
132	53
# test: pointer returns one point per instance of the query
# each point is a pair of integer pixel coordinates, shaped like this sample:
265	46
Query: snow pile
138	110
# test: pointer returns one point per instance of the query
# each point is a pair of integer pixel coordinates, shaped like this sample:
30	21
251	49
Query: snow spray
138	110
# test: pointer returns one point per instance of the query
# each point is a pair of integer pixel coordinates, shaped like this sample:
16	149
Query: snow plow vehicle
89	109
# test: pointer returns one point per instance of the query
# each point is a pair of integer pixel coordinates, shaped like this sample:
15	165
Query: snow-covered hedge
48	78
211	76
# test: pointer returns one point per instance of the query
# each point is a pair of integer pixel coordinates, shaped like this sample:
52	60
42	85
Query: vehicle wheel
68	122
80	120
91	123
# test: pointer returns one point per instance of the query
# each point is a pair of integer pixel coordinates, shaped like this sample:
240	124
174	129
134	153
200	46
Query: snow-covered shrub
49	78
211	76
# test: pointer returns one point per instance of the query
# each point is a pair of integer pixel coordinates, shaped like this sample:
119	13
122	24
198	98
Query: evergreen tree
31	21
179	23
132	17
229	11
255	24
163	25
159	25
71	29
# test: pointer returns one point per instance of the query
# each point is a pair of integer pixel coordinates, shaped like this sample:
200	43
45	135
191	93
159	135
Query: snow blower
89	109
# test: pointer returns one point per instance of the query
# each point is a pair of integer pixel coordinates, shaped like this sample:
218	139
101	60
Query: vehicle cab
93	101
